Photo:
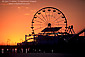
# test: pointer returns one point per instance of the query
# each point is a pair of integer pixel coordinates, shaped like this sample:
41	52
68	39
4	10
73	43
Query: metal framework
48	17
49	21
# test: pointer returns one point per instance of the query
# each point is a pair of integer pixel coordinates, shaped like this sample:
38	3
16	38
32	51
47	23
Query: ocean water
41	55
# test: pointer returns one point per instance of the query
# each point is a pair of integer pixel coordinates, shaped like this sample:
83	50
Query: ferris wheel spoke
38	21
38	24
43	17
46	16
60	21
59	24
58	18
53	17
53	14
49	14
38	28
40	18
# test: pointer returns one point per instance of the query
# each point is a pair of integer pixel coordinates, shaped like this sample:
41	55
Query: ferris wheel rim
50	7
45	8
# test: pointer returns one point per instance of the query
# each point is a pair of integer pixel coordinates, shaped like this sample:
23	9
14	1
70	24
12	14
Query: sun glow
16	20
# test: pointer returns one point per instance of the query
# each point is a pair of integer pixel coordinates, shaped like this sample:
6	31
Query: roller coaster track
81	32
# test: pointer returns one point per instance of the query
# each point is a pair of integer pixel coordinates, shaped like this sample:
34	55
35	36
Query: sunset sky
15	20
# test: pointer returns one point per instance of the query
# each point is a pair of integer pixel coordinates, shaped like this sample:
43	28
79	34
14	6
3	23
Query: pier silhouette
55	35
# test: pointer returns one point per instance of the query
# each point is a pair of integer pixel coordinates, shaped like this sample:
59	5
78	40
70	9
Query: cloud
33	10
27	14
18	7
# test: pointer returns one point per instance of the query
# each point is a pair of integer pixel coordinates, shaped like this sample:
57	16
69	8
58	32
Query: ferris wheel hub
49	24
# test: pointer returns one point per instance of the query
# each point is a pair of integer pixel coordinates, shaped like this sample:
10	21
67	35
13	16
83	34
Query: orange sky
15	20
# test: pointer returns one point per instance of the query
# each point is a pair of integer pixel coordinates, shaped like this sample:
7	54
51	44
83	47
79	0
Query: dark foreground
41	55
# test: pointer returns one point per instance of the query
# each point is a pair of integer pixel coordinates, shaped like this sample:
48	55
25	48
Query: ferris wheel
48	17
